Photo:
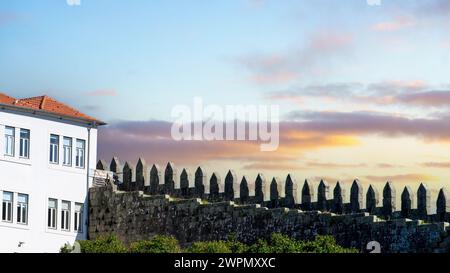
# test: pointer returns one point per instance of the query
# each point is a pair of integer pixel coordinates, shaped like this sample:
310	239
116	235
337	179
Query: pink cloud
290	65
103	93
395	25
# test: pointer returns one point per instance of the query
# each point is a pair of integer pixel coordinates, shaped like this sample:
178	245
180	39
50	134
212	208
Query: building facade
47	150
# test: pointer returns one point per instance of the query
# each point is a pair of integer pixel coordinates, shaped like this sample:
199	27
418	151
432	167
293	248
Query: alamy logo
228	123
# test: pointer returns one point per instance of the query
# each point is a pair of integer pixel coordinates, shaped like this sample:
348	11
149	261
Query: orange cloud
403	178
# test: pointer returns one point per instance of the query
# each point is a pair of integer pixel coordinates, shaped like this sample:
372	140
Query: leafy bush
209	247
158	244
103	244
324	244
278	243
235	246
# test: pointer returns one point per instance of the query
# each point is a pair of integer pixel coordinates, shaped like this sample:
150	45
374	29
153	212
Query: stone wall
140	207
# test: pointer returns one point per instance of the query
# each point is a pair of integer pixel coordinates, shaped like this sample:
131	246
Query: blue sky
363	77
155	54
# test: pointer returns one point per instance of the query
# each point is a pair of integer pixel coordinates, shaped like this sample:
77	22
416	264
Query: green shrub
209	247
261	246
158	244
103	244
235	246
324	244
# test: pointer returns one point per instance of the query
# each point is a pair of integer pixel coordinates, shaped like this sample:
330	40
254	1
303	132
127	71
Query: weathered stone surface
142	175
244	191
262	192
389	199
372	199
230	188
423	201
170	179
133	216
155	179
322	195
291	192
338	198
102	165
307	195
186	183
442	204
276	189
201	183
408	202
356	196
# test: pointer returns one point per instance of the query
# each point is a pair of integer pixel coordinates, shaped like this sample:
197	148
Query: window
24	143
51	215
54	149
78	218
67	151
22	209
7	206
9	140
80	154
65	215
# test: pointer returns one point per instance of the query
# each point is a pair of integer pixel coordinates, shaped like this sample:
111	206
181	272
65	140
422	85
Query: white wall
42	180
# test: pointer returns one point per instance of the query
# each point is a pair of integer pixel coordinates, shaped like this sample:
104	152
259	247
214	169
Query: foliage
158	244
103	244
209	247
278	243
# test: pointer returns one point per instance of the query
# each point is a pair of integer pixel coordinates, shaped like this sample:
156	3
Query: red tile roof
48	105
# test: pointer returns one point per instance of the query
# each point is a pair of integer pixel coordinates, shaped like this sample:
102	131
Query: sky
363	90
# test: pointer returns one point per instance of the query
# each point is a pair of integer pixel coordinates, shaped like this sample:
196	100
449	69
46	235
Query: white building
46	151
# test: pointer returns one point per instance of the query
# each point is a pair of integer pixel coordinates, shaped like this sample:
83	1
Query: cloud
412	93
434	8
399	23
365	123
444	165
288	66
102	93
272	166
329	165
402	178
152	141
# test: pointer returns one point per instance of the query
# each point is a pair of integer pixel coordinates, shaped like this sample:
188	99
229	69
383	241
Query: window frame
27	146
54	150
9	211
78	218
65	216
22	209
10	138
52	214
80	163
70	149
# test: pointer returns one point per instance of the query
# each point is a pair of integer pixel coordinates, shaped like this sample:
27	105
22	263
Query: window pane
80	143
7	196
54	139
52	203
78	207
24	133
9	131
22	198
67	141
65	205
